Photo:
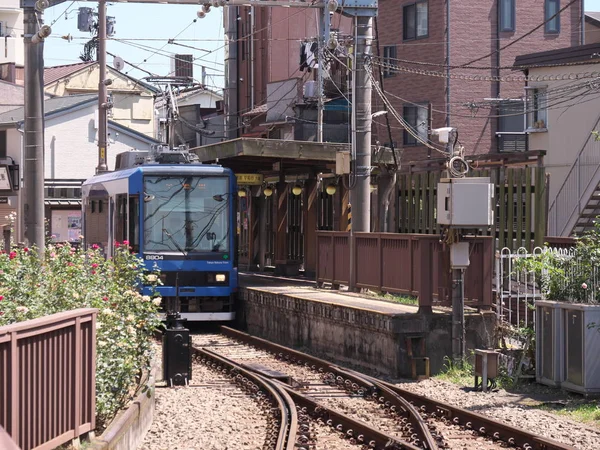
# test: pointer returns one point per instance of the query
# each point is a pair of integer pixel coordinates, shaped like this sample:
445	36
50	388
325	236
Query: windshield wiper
183	252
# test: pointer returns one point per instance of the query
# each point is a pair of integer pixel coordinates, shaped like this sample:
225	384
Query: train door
95	218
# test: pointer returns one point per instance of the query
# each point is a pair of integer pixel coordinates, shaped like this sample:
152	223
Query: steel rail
356	431
353	381
288	427
484	425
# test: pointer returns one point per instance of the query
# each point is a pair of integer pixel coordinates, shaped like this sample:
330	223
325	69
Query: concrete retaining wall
362	338
128	429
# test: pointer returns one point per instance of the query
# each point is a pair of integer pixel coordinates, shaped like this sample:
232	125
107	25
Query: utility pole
102	91
324	31
361	101
230	93
33	136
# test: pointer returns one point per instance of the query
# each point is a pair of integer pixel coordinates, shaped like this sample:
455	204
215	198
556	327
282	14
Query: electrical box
465	202
342	163
459	255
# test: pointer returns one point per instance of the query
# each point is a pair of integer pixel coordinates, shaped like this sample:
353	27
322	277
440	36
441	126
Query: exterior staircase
577	203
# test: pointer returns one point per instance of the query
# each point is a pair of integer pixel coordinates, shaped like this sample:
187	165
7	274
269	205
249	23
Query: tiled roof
51	74
11	96
581	54
262	109
51	106
593	15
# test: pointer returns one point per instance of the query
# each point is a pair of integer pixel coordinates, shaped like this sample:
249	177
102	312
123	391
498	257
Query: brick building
439	36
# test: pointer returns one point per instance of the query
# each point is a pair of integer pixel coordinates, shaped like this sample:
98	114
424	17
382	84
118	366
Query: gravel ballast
511	409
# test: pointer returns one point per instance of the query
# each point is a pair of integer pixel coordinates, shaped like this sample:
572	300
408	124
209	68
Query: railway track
331	402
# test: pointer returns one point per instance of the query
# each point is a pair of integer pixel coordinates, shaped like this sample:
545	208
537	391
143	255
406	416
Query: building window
551	8
506	15
417	117
416	20
511	126
537	103
389	59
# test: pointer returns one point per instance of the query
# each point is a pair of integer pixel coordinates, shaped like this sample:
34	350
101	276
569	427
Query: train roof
160	169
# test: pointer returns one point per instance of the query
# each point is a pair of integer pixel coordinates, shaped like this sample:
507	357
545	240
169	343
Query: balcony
11	50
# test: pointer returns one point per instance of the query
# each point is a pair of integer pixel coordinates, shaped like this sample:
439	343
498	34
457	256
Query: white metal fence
518	289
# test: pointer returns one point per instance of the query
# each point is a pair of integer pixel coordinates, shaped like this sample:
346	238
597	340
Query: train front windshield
186	214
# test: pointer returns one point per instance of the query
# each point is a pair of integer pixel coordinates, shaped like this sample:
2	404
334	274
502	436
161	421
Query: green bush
68	279
571	276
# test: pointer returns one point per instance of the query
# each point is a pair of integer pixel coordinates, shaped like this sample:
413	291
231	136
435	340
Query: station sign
249	179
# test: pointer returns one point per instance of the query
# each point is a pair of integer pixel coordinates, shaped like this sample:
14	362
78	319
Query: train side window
134	223
120	220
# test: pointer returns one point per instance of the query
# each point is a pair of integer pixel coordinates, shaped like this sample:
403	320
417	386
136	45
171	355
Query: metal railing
47	379
576	190
413	264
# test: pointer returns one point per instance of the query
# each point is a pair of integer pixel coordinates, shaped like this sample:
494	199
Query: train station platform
358	330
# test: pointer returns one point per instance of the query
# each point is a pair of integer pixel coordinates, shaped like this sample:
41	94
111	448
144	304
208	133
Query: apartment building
273	78
451	64
11	42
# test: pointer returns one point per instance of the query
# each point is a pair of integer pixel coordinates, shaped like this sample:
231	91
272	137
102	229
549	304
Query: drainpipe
582	8
252	26
447	63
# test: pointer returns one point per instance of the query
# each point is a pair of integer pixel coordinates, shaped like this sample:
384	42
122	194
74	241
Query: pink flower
1	313
105	298
94	265
26	249
12	255
93	272
1	297
95	246
583	286
125	242
70	264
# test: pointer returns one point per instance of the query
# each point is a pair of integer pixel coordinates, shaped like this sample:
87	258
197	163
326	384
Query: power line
505	79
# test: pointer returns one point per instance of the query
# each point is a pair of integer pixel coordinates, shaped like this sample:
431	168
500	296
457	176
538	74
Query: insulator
339	427
482	430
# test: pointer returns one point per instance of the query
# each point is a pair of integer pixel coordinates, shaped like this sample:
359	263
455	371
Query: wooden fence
520	198
413	264
48	379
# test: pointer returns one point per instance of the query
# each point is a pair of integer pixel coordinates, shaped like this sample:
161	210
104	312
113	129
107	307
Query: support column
262	232
310	227
281	242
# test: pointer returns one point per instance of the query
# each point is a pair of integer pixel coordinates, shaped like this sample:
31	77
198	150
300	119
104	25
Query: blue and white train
178	216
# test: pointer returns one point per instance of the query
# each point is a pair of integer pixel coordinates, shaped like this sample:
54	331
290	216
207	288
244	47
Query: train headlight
220	277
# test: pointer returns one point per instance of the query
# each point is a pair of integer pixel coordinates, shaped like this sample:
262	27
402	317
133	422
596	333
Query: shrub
71	278
568	276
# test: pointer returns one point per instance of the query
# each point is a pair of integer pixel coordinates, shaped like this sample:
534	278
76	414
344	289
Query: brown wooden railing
47	379
413	264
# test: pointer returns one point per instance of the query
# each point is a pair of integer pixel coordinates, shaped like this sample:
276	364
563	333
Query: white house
562	113
11	26
194	105
71	153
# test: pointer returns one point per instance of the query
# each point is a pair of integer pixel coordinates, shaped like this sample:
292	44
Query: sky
142	32
141	37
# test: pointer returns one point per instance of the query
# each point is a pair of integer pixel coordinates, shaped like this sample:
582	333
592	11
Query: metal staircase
577	203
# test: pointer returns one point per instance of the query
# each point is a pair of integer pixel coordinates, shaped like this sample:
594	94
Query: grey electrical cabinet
465	202
581	347
549	338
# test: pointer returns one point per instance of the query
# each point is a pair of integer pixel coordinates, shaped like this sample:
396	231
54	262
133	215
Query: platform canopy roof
264	155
